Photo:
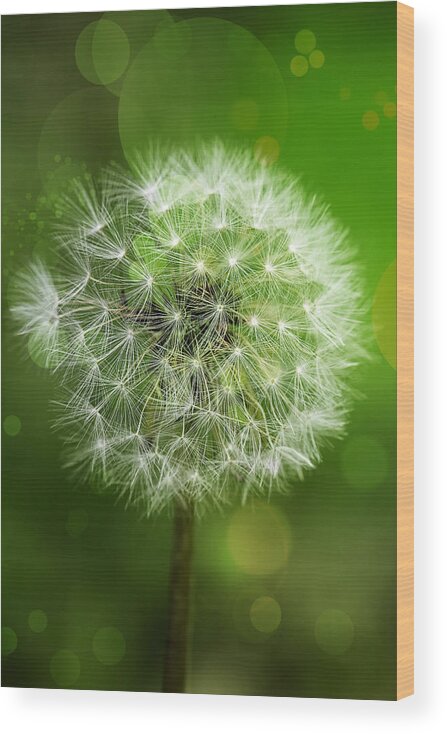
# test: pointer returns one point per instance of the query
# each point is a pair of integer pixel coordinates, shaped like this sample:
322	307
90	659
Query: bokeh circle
109	645
102	52
265	614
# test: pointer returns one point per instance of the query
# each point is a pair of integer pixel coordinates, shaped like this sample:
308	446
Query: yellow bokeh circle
266	150
316	59
299	66
370	120
389	109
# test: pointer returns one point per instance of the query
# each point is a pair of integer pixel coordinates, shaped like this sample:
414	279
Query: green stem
176	653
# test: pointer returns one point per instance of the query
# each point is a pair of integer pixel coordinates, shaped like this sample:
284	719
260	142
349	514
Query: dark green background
83	559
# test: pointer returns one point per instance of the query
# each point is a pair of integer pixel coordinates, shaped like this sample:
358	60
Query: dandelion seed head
169	388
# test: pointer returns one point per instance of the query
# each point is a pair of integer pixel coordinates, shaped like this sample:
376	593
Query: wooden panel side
405	294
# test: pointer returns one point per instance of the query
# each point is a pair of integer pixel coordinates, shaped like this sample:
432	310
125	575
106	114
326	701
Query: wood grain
405	421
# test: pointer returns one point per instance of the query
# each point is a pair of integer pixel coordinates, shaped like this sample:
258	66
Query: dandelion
203	321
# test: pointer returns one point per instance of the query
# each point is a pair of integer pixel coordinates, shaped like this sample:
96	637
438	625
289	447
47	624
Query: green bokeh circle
102	52
37	620
109	645
65	668
9	640
265	614
305	41
12	425
139	27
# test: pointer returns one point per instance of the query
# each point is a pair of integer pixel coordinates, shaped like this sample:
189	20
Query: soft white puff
204	320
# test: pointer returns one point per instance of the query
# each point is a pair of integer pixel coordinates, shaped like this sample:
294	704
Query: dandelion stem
176	653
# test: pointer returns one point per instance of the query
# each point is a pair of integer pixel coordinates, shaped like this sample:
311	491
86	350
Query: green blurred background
296	597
